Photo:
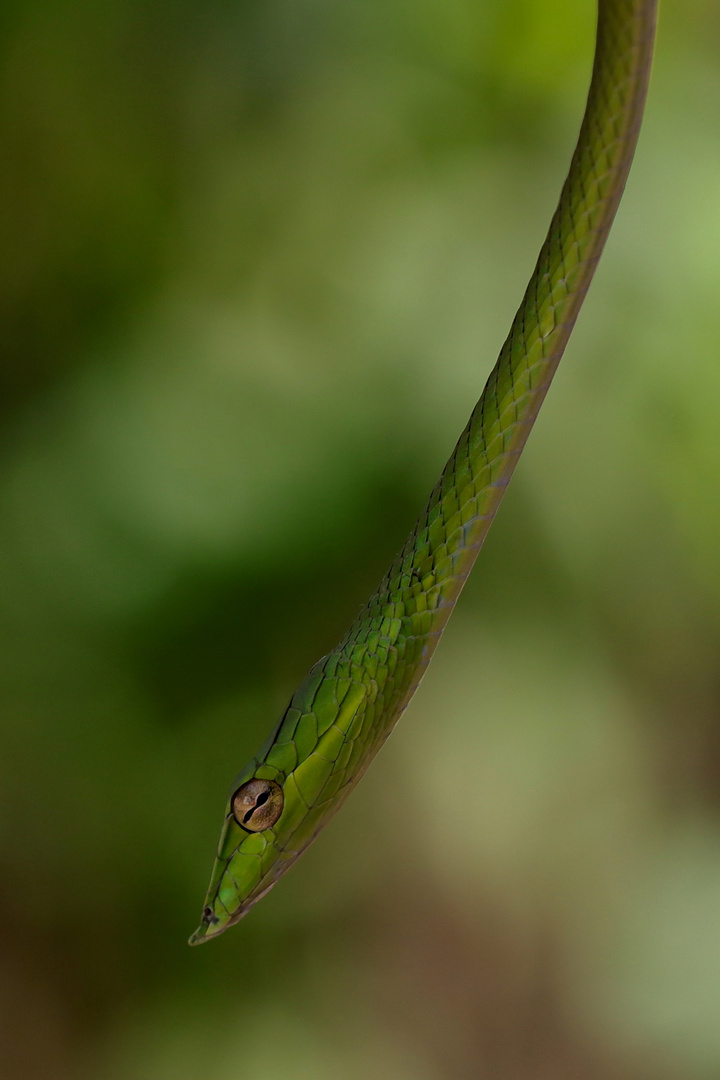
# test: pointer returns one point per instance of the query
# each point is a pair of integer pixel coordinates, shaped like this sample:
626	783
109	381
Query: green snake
348	704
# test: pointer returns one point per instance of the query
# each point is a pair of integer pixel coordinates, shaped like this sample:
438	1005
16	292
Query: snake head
283	798
235	884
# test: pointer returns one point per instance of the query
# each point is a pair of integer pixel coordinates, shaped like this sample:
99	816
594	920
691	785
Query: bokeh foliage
256	259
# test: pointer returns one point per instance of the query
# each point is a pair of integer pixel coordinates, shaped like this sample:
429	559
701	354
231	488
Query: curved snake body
345	708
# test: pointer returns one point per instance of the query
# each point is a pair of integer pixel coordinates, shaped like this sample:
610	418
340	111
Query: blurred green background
256	261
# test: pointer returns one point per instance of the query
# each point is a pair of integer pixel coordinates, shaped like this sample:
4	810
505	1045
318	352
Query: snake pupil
261	800
258	804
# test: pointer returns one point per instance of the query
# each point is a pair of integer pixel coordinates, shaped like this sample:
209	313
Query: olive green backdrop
257	258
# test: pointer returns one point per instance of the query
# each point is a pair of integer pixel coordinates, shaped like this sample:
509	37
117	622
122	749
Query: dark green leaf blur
257	258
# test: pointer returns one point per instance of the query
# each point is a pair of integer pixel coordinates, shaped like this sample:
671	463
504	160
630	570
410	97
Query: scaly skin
341	714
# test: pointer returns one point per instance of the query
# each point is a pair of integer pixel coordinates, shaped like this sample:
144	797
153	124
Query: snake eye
258	804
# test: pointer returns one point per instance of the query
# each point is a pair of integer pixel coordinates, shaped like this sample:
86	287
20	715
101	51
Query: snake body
349	702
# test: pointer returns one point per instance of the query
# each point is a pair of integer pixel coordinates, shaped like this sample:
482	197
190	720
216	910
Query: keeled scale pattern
348	704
